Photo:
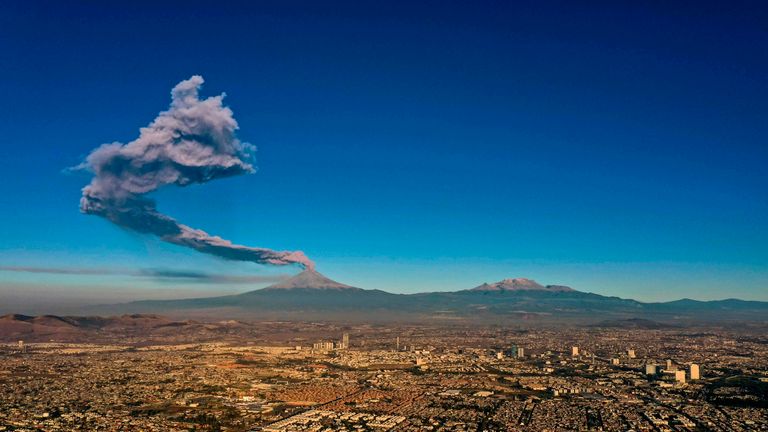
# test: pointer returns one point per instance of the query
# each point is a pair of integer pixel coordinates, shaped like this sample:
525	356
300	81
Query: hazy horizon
63	289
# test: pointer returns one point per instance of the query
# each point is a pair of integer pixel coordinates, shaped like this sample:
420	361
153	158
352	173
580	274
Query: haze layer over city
383	216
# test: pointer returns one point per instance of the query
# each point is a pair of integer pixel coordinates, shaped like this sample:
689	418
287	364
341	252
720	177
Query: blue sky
616	148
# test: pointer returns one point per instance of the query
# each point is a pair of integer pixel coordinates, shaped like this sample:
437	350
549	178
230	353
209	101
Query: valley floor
304	377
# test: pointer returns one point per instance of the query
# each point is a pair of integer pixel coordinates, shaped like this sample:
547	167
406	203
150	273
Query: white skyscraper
345	340
575	351
680	376
694	372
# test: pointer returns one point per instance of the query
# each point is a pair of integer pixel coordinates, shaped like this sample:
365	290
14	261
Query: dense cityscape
273	377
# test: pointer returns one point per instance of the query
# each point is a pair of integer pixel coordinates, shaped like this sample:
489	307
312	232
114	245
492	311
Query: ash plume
156	273
193	141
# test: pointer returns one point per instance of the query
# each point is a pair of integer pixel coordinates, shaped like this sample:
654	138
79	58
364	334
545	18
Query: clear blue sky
617	148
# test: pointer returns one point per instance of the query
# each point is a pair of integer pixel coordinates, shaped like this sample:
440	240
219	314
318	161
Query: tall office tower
650	369
512	351
669	365
397	344
345	340
575	351
694	372
520	352
615	361
680	376
22	348
631	353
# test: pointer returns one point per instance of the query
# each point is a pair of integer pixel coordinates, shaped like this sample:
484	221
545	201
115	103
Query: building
680	376
520	352
670	366
512	351
694	372
345	341
323	346
499	355
615	361
650	369
575	351
631	353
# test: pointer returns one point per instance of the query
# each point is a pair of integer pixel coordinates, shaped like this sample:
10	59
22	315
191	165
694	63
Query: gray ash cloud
161	274
194	141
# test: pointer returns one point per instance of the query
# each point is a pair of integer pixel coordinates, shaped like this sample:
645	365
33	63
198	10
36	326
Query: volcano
521	284
309	279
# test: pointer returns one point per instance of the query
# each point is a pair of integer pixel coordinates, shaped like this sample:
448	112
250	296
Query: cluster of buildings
308	420
671	372
332	345
440	379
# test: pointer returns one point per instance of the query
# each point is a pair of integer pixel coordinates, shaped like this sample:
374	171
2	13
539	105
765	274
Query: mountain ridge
311	294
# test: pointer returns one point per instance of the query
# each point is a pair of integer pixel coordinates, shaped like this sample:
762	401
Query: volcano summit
309	279
521	284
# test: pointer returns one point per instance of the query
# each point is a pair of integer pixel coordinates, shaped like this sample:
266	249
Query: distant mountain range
312	296
51	327
121	329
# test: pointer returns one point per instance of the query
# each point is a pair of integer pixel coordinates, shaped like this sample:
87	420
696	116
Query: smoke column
192	142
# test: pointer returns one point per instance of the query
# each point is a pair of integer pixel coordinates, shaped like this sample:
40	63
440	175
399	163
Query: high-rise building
323	346
694	372
575	351
615	361
345	340
680	376
650	369
520	352
512	351
397	344
670	366
499	355
631	353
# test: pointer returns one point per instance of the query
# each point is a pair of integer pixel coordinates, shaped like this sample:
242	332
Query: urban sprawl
398	378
